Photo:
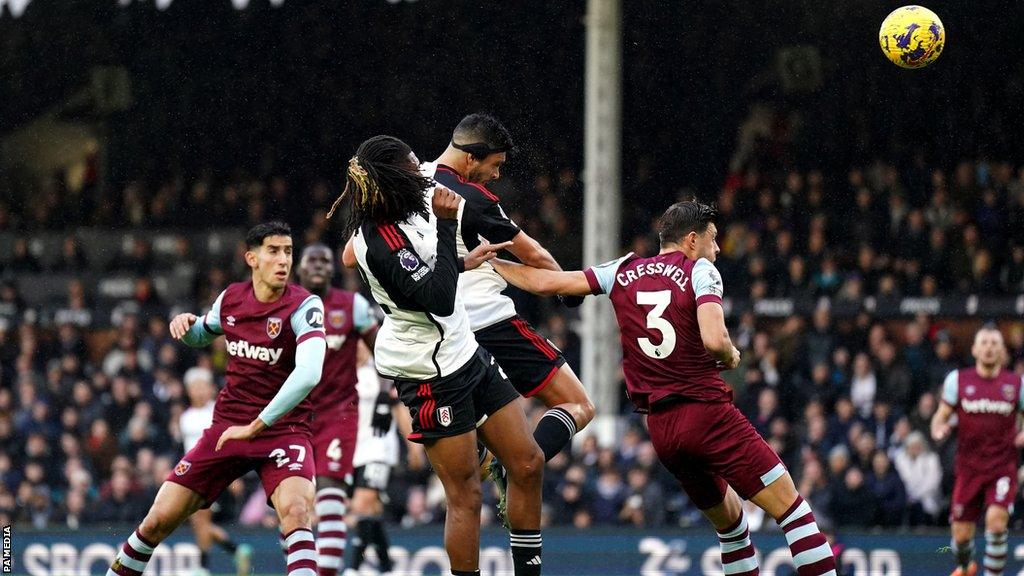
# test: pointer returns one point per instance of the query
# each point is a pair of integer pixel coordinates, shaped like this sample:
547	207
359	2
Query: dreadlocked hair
381	184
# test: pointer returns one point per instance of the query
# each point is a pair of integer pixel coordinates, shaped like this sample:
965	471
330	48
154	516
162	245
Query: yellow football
912	37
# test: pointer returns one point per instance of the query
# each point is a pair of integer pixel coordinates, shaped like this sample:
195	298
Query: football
912	37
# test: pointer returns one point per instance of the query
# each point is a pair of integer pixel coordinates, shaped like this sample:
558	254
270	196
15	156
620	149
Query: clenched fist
445	203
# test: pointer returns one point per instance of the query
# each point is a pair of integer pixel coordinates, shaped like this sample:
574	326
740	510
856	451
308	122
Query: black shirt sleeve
405	271
493	224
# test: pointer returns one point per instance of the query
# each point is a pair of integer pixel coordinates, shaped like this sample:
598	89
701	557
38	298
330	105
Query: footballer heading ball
912	37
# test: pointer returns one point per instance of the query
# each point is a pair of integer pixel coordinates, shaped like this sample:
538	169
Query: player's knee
468	497
584	414
527	467
997	522
157	525
962	534
296	512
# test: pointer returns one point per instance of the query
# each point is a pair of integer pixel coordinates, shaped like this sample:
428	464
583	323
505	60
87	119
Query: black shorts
373	475
529	360
457	403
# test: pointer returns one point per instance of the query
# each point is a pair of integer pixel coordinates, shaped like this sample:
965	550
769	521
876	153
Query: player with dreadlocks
453	388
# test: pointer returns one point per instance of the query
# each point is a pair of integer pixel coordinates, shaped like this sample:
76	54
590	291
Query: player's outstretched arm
541	281
484	252
198	331
531	253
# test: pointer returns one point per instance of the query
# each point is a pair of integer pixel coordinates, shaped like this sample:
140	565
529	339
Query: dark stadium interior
898	196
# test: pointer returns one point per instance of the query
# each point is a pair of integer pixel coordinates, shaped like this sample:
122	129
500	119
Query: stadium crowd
88	414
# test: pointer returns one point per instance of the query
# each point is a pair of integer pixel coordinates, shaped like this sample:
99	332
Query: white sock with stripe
738	555
131	560
331	530
812	555
301	552
995	553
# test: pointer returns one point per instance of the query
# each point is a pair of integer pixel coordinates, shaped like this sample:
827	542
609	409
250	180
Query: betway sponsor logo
243	349
986	406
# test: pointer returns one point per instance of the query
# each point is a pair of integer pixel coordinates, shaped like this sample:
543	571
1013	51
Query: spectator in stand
863	384
853	504
118	502
921	473
72	259
645	503
887	487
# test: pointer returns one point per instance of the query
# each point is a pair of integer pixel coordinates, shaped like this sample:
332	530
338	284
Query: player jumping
475	155
274	335
674	343
348	318
452	387
987	400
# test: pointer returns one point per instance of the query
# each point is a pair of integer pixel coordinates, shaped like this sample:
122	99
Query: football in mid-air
912	37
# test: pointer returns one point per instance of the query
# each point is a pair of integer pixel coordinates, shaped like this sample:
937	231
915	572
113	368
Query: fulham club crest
444	416
273	327
182	468
336	318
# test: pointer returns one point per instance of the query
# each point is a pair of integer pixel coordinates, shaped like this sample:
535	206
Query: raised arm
433	289
497	227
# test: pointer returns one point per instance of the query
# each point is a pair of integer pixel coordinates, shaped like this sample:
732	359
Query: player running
348	319
674	343
451	386
987	400
274	336
193	422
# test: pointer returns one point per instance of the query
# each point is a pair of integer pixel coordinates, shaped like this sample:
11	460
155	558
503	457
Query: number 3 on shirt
660	300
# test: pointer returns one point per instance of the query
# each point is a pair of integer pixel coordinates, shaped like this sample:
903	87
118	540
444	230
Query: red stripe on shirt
480	187
542	385
535	339
388	236
399	240
490	195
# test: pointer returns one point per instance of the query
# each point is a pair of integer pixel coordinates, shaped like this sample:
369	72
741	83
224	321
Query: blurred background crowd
90	394
849	180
